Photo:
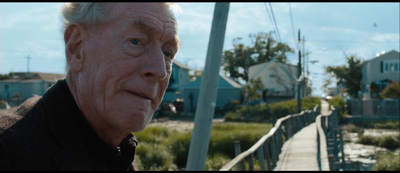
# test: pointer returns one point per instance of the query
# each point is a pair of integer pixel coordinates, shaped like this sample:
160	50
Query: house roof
288	68
181	65
224	82
35	76
390	53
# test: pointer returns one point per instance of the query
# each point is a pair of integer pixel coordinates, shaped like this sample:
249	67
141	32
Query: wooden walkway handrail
269	146
322	156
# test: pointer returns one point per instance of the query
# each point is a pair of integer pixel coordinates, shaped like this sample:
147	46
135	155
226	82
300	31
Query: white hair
84	13
88	13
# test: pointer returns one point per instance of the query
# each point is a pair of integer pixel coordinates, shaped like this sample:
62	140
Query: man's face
128	63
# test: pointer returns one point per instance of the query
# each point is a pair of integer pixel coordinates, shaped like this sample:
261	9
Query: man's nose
154	67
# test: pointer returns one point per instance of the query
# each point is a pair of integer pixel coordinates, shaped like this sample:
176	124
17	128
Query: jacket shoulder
10	116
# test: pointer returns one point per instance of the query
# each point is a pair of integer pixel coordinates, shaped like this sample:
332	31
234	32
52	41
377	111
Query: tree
194	74
253	90
350	76
6	76
391	91
263	48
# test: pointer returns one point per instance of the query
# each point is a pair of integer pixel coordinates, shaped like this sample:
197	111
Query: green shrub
161	148
308	103
256	113
154	157
223	136
259	113
216	162
368	140
387	162
153	134
338	102
282	109
390	142
392	90
233	116
380	124
179	145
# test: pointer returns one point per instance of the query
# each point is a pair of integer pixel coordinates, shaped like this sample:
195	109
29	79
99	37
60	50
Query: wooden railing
330	142
269	146
323	122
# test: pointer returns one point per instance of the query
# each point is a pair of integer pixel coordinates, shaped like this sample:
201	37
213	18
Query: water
361	157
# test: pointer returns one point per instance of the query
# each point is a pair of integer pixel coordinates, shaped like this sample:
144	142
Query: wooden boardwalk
299	153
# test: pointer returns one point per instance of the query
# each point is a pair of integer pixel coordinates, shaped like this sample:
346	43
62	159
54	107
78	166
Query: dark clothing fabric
54	135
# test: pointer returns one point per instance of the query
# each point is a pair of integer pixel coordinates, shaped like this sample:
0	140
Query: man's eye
135	41
168	55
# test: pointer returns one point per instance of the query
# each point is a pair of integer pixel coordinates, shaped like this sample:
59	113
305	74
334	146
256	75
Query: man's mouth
140	95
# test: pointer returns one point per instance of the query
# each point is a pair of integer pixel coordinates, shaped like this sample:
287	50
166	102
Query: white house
279	79
378	72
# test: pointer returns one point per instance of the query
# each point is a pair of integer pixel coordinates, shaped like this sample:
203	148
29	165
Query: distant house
179	78
279	80
24	85
228	91
378	72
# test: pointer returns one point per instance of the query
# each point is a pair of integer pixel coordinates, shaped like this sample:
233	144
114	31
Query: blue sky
330	31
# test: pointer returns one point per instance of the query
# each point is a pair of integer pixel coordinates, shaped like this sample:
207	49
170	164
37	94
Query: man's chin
141	121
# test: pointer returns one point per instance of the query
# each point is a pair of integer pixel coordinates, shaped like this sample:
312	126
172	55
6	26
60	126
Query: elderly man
120	60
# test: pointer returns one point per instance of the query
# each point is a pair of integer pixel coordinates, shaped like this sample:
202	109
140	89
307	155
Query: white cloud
193	19
386	37
46	16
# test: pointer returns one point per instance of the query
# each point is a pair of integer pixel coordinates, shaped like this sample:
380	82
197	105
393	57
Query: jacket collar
74	133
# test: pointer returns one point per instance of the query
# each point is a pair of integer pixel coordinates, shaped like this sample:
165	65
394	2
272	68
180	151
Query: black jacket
54	135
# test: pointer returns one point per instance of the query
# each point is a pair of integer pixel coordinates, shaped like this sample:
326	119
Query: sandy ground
181	126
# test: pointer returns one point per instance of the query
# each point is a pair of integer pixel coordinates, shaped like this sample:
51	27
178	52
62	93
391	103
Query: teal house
228	92
25	85
179	78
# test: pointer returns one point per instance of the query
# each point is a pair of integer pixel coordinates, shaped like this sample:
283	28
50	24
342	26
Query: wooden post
240	165
251	162
208	92
267	154
261	157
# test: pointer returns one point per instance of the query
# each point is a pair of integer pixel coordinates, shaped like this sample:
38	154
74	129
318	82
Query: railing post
273	151
288	127
280	140
251	162
240	165
278	147
260	154
267	154
342	150
318	147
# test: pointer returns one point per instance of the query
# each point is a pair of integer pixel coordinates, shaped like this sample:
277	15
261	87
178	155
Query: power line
276	25
272	22
294	35
270	19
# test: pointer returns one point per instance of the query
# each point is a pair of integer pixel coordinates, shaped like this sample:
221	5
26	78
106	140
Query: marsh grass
387	162
161	148
391	142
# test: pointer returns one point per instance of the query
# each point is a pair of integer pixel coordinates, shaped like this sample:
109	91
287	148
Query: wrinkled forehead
159	13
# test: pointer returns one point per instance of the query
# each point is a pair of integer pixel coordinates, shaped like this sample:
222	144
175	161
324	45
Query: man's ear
73	37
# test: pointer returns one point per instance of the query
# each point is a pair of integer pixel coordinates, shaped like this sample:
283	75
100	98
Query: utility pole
299	79
208	91
27	66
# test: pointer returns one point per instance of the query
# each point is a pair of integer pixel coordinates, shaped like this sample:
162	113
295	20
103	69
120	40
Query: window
272	73
390	66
